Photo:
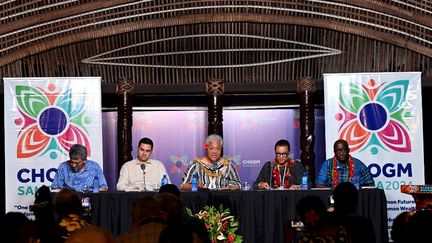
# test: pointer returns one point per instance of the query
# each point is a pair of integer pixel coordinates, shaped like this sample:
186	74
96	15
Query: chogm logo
373	116
52	121
179	163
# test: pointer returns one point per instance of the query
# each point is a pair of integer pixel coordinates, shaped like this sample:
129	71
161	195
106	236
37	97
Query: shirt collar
139	162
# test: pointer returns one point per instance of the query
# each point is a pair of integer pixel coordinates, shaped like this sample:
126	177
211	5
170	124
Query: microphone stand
143	169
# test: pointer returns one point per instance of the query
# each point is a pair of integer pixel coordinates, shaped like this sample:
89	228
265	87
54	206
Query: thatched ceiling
174	47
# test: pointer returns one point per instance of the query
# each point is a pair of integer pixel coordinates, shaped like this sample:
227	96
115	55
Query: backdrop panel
44	117
178	136
380	115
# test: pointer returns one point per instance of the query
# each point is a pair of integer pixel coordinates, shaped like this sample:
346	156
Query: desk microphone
271	174
143	169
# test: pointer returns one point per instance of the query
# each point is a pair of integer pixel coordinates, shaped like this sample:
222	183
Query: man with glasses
79	173
343	168
281	173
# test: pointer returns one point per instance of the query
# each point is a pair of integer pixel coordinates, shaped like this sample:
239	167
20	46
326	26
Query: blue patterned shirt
81	181
324	176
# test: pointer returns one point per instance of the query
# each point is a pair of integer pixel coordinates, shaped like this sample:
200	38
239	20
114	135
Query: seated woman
213	171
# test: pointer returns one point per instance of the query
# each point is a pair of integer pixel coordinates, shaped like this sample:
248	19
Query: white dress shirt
132	178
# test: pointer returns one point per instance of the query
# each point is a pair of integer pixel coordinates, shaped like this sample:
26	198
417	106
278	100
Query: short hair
282	142
171	205
311	202
144	208
214	137
78	151
170	188
67	201
345	197
146	141
343	142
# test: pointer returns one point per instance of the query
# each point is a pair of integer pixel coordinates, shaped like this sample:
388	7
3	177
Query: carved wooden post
215	91
125	91
306	89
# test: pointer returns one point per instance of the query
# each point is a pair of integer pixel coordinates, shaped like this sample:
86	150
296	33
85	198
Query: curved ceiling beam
76	37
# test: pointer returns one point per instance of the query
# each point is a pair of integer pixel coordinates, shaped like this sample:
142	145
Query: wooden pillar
306	90
125	91
215	91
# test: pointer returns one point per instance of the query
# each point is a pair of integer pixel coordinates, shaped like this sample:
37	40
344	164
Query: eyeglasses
283	155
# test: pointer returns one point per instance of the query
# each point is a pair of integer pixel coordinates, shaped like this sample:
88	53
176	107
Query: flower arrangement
219	223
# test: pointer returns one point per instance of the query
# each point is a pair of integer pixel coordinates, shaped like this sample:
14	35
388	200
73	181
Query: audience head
67	201
14	223
171	207
145	149
341	150
170	188
90	233
345	198
399	231
312	211
282	150
419	226
43	207
145	209
214	144
77	157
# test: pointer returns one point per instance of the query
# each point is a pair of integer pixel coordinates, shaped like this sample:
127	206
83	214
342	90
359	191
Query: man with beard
78	173
343	168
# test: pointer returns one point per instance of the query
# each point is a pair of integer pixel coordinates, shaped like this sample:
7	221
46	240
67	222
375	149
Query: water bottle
356	181
164	180
96	185
304	181
194	183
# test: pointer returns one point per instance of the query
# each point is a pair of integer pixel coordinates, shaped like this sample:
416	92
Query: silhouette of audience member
147	222
190	222
170	188
68	208
419	226
90	234
13	224
360	228
317	227
172	212
43	210
399	232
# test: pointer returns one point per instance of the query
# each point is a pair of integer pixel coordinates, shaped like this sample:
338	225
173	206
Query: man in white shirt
132	173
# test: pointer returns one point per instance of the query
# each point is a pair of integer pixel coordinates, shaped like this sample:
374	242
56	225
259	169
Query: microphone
271	174
214	162
143	169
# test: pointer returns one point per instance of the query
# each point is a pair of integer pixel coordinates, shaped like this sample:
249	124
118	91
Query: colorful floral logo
179	163
52	121
373	116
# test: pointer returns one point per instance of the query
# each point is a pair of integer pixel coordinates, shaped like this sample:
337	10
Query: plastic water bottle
356	181
96	185
304	181
194	183
164	180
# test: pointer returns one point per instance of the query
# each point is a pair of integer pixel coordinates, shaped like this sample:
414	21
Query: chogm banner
44	117
380	115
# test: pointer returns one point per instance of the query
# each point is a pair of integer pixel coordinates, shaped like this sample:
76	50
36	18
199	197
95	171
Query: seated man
79	173
213	171
134	172
282	172
342	167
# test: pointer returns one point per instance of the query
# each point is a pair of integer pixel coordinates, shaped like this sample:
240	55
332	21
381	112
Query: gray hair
214	137
78	151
